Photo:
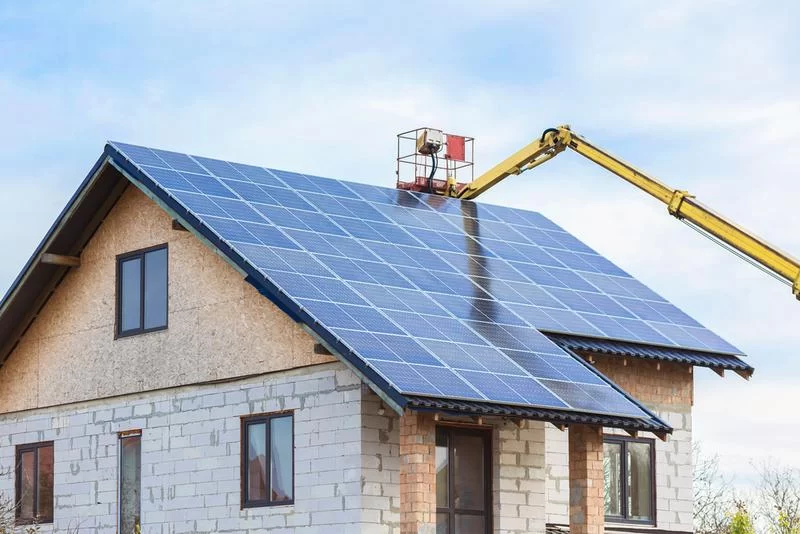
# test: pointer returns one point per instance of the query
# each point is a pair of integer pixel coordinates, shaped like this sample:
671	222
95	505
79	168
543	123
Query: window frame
123	435
486	435
266	418
624	517
121	258
20	450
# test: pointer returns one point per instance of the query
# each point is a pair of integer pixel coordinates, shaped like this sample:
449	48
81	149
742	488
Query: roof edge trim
549	415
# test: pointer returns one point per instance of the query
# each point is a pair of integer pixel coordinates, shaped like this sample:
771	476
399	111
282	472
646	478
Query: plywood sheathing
219	326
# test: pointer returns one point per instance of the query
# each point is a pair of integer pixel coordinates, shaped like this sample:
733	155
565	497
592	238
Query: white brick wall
674	470
673	474
346	464
346	460
557	475
519	481
380	466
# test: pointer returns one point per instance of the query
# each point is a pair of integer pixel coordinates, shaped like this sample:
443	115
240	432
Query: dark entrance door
463	481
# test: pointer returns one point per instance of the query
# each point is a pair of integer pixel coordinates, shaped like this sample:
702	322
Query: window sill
135	333
21	522
266	505
623	525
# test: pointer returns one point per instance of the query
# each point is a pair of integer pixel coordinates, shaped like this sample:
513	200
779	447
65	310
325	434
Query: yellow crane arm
679	203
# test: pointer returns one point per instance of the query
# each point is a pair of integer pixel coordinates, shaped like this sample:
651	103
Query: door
463	481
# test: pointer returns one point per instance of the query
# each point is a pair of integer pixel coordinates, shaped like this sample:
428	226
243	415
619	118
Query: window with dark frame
268	460
629	479
142	279
463	481
34	483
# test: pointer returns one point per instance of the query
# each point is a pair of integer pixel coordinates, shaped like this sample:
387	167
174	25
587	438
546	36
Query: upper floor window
34	483
268	460
142	291
629	472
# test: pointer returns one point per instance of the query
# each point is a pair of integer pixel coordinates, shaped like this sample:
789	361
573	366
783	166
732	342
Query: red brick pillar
417	474
586	504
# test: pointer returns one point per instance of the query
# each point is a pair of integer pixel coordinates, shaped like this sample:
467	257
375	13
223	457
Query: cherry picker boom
680	204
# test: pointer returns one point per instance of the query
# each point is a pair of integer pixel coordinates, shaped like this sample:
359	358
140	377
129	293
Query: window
130	481
629	469
268	460
463	492
142	291
35	483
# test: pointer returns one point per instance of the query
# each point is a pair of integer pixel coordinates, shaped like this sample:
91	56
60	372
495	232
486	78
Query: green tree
741	523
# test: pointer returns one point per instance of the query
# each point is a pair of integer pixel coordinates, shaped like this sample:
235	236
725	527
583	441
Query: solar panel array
441	297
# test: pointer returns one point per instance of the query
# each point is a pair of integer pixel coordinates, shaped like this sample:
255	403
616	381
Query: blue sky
705	95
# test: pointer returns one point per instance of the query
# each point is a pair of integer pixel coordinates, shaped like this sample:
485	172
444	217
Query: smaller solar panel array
441	297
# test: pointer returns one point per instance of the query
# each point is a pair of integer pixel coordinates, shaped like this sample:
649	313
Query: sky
704	95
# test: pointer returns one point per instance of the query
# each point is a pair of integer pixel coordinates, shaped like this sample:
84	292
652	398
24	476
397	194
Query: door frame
486	434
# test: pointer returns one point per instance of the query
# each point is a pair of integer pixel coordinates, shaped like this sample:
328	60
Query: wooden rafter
61	259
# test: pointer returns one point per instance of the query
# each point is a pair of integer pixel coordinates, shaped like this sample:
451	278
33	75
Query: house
205	346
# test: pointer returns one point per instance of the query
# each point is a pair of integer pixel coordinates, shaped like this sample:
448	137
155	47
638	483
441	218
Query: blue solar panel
208	185
223	169
257	175
269	235
439	296
492	386
176	160
200	204
241	211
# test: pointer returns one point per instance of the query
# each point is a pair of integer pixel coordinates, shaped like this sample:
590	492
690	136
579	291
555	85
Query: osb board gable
219	325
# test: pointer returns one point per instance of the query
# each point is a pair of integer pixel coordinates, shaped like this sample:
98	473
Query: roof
479	276
648	352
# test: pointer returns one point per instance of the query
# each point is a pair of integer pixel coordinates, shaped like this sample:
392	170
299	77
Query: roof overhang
714	361
558	418
68	235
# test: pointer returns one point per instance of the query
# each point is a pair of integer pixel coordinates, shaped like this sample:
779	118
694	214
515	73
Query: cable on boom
734	251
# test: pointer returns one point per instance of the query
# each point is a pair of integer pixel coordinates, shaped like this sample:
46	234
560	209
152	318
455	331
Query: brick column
586	504
417	474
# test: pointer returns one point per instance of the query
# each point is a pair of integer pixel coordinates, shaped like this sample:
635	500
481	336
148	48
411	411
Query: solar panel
440	296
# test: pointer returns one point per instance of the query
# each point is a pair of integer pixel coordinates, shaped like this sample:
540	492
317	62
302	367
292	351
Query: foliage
7	509
774	506
741	523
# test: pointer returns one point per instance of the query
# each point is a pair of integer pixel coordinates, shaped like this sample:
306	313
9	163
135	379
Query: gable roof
278	229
